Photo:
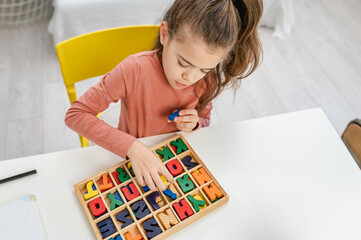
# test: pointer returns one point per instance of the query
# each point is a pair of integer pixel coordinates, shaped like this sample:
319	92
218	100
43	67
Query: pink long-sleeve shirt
147	99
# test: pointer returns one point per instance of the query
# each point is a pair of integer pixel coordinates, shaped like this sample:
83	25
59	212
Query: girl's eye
183	66
180	64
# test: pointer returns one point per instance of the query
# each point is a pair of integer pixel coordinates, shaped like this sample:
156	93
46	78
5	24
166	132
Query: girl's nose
185	76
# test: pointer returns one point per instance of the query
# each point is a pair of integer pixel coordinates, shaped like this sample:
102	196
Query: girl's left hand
187	120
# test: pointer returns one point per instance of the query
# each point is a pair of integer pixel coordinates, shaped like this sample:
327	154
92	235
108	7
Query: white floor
317	66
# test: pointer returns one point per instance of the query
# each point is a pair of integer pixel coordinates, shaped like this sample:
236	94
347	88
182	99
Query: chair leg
84	141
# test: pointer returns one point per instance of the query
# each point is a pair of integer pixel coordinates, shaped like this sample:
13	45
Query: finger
190	111
158	181
149	182
188	118
164	171
189	127
139	176
186	127
181	126
140	180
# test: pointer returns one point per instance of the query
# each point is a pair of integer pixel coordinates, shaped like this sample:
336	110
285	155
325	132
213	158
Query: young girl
202	46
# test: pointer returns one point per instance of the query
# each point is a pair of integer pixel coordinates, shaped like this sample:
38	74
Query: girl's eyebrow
191	63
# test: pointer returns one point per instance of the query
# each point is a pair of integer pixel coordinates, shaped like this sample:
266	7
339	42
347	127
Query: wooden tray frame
136	227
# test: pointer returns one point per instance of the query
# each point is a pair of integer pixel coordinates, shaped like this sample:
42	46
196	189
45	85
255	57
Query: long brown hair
221	24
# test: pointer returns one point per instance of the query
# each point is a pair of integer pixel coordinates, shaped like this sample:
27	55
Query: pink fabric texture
147	99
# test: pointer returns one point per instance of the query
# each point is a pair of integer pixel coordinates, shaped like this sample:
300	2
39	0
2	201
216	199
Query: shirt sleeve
82	115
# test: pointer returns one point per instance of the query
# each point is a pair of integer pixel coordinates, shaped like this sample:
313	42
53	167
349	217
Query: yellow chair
95	54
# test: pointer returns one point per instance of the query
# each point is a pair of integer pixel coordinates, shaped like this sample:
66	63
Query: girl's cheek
197	77
179	72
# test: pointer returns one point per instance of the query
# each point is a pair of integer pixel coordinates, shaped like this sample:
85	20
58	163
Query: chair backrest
95	54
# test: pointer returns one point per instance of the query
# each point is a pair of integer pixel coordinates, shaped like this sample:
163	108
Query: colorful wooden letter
183	209
152	228
200	199
159	200
123	218
173	115
174	167
146	188
187	161
165	153
164	180
123	175
130	191
90	192
97	207
186	184
151	199
115	200
140	209
116	177
212	191
196	203
167	219
129	166
129	236
170	194
106	227
105	183
174	190
179	144
116	238
201	176
174	148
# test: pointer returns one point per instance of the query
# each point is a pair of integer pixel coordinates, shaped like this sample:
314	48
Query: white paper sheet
20	219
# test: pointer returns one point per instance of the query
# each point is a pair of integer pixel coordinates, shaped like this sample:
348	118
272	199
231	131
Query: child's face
186	58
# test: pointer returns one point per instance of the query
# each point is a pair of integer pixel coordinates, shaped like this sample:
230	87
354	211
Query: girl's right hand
147	167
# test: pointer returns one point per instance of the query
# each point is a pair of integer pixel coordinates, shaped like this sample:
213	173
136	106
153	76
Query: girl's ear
163	32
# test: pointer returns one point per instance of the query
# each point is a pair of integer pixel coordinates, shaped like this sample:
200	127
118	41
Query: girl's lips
181	85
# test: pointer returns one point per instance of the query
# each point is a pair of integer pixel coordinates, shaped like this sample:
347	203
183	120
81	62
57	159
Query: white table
288	177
